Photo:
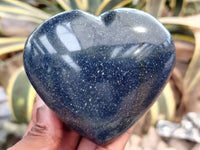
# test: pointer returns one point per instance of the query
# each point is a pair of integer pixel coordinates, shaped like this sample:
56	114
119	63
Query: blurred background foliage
18	18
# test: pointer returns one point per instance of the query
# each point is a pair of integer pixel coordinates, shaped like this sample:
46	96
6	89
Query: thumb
45	133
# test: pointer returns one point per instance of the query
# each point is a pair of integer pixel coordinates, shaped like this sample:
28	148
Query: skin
47	132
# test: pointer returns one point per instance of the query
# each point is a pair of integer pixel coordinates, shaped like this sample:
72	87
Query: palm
65	138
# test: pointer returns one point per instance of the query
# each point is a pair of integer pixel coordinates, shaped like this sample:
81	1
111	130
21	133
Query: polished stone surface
99	74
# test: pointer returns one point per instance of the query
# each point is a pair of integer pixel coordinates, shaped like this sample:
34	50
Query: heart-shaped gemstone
99	74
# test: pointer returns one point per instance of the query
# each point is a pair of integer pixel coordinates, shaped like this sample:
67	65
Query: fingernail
40	115
39	102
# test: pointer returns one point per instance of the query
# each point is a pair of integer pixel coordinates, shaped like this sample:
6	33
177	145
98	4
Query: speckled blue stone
99	74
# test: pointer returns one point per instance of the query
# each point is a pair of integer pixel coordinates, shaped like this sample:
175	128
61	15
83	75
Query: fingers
44	130
119	143
70	139
38	103
86	144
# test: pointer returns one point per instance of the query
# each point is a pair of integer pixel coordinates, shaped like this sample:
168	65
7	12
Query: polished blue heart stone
99	74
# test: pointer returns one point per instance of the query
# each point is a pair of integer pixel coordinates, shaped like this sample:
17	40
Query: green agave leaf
4	41
122	4
9	9
192	76
8	45
193	72
111	4
21	103
165	106
50	7
102	6
82	4
11	48
180	30
191	7
20	17
65	4
141	5
73	4
183	38
155	7
21	8
177	6
93	5
191	21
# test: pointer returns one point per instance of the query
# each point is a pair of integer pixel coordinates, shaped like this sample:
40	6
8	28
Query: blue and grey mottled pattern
99	74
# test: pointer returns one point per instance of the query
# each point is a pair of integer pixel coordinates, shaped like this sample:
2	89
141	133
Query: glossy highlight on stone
99	74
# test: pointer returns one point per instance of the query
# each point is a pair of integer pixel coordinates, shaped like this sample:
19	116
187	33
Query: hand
47	132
